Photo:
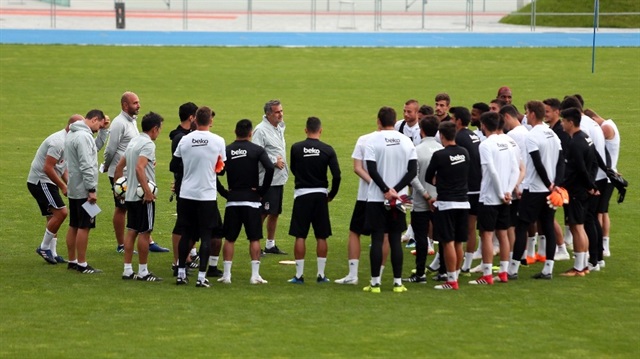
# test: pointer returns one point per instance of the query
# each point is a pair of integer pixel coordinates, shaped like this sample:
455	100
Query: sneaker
593	268
224	280
322	279
154	247
414	278
131	276
46	255
405	238
601	263
572	273
540	258
465	272
531	260
502	277
372	288
561	254
440	277
513	276
296	280
214	272
182	281
120	248
72	266
542	276
192	265
257	280
347	280
274	250
411	243
203	283
447	286
88	270
476	269
60	259
150	277
484	280
399	288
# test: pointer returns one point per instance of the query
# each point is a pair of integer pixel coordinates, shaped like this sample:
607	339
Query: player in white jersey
500	172
612	145
140	161
544	168
392	164
203	154
47	178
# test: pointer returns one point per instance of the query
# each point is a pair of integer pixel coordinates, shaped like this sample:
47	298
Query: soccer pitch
47	311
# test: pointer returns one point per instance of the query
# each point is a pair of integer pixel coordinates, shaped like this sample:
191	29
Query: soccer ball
120	186
152	187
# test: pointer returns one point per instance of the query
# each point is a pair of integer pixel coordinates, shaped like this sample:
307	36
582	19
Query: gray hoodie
82	160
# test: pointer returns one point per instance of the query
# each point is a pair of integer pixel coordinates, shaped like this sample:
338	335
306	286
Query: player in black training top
471	142
580	182
448	171
243	198
309	162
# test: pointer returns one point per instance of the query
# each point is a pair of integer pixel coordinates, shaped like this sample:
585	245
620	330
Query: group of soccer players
504	179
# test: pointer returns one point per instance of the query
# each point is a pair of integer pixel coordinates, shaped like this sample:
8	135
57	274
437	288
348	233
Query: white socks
270	243
299	268
213	261
46	239
322	262
353	268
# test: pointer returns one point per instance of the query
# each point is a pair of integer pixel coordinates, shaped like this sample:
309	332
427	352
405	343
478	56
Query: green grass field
48	312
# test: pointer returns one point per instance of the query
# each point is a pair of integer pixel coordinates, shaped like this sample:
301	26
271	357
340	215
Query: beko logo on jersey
474	138
589	141
238	153
310	151
503	146
457	159
392	141
195	142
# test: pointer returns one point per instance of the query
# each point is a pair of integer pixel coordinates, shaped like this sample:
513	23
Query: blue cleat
46	255
296	280
154	247
322	279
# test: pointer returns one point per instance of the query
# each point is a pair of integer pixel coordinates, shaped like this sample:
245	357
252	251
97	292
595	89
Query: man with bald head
47	178
504	94
123	129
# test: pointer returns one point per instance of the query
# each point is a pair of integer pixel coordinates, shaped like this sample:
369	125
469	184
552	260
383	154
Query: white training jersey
199	151
613	145
52	146
139	146
392	151
358	154
542	139
413	132
519	135
594	131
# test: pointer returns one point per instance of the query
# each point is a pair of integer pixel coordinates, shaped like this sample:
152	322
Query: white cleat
561	254
476	269
347	280
477	254
257	280
602	264
225	280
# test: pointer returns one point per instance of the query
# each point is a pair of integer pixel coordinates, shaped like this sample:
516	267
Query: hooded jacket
82	160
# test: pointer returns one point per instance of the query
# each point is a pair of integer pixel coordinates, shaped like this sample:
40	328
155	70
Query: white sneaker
476	269
257	280
477	254
602	264
405	238
225	280
561	254
606	252
594	269
347	280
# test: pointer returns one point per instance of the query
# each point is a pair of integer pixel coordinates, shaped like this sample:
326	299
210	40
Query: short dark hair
537	108
509	110
447	130
426	110
313	124
95	113
429	125
552	102
490	120
579	97
269	105
499	102
443	97
572	114
204	115
186	110
570	101
462	114
151	120
481	106
387	116
243	128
